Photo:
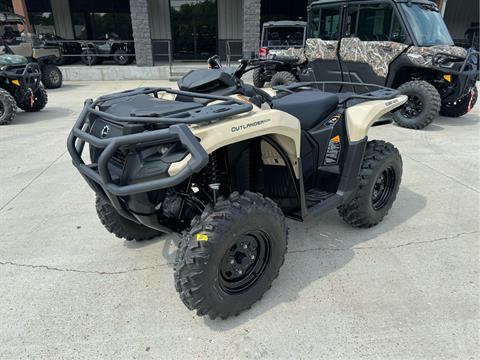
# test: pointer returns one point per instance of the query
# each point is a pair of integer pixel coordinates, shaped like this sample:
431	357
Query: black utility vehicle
224	171
403	44
19	86
282	41
122	52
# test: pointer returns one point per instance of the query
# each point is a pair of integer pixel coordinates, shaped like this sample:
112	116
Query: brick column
141	32
20	8
251	27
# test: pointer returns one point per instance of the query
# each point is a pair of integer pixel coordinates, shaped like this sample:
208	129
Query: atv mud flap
98	175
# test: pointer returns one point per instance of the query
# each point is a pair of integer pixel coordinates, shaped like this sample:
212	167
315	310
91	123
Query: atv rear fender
361	117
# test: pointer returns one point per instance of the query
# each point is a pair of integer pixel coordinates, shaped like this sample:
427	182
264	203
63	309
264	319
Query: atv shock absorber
214	176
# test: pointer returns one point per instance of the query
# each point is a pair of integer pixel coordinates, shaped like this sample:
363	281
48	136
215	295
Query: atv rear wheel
461	106
231	255
8	107
422	106
258	80
282	78
40	98
121	57
52	77
120	226
380	178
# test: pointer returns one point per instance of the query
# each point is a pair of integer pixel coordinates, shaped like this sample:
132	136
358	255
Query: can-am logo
391	102
249	125
105	131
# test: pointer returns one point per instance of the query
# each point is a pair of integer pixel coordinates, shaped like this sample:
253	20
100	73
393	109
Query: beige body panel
41	52
280	126
24	49
361	117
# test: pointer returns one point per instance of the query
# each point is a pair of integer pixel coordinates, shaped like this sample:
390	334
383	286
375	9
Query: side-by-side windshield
427	25
283	36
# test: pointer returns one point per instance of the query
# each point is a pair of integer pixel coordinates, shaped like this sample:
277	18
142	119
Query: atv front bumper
100	176
464	77
25	80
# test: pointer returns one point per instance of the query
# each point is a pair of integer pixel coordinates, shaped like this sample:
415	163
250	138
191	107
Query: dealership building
186	30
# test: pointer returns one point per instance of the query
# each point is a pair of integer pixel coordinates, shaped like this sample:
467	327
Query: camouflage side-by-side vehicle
282	42
402	44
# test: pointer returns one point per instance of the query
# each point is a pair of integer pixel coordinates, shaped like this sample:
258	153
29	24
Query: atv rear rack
98	175
382	92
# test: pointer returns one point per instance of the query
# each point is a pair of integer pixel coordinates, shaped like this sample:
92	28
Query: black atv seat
310	107
145	105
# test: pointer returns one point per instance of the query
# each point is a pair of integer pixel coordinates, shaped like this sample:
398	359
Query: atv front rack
98	175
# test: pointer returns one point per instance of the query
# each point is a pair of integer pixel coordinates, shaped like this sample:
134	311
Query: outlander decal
249	125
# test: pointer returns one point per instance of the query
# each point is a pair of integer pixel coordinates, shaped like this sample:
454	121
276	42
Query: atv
30	46
71	50
282	41
94	53
225	170
19	86
402	44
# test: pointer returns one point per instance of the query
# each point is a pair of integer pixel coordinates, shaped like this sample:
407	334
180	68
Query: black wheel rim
245	262
413	107
383	188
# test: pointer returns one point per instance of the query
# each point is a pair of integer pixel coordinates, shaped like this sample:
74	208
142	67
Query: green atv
19	87
30	46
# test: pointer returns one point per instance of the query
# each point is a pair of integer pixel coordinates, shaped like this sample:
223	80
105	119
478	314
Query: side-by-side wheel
422	107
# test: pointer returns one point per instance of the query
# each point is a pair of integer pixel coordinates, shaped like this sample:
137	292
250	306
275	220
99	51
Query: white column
62	18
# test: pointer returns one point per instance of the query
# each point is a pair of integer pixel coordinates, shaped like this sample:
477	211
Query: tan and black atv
19	87
225	165
402	44
30	46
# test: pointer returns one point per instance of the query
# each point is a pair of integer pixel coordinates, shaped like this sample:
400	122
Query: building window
95	20
41	16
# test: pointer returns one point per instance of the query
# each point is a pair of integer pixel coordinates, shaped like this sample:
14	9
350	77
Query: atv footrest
319	201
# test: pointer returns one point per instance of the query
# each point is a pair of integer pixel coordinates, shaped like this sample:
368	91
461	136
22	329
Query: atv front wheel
52	77
40	98
121	57
89	58
422	106
258	79
461	106
282	78
120	226
380	178
231	255
8	107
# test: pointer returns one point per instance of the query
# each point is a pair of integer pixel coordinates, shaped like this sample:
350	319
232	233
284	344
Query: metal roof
284	23
318	2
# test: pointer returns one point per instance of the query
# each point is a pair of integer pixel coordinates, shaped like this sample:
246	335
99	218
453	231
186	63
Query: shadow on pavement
47	114
331	242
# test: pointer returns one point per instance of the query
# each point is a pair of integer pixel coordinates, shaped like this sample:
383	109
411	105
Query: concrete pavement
406	289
